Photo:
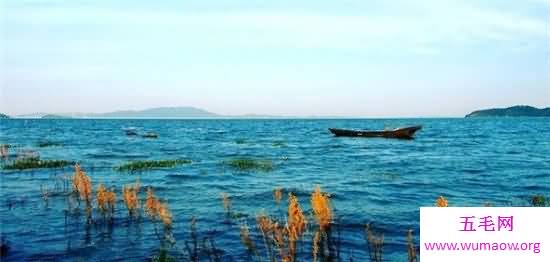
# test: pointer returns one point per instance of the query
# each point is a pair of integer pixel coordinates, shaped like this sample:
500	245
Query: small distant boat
131	132
400	133
151	135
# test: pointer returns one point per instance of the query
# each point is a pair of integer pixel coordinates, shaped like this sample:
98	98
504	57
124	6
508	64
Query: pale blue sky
343	58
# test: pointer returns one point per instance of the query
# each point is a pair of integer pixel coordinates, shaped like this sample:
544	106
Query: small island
4	116
514	111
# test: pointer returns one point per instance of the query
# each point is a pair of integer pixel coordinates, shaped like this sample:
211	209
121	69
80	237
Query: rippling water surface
470	161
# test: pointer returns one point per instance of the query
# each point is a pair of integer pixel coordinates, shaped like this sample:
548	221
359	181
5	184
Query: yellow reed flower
320	203
296	219
101	196
278	194
129	193
441	202
82	184
265	224
165	214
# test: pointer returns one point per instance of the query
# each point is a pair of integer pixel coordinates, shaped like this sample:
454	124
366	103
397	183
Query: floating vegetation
441	202
248	164
150	164
538	201
49	144
35	162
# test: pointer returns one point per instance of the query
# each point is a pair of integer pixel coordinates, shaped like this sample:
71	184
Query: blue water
470	161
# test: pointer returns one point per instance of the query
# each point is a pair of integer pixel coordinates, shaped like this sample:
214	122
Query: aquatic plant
150	164
163	256
101	197
48	144
441	202
266	226
278	195
35	162
320	203
322	241
411	248
247	241
375	244
82	184
226	202
248	164
106	200
538	201
129	194
296	224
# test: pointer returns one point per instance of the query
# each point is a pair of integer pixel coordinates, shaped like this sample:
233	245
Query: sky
354	58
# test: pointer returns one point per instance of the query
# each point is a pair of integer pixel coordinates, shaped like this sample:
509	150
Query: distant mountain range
513	111
193	112
159	112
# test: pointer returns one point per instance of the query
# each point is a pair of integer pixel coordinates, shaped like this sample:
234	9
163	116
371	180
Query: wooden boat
401	133
151	135
131	132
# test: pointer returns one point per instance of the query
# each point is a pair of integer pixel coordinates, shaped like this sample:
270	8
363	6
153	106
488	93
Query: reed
150	164
375	244
102	201
320	204
226	202
441	202
411	248
247	241
322	241
278	195
266	226
130	196
82	184
296	224
110	196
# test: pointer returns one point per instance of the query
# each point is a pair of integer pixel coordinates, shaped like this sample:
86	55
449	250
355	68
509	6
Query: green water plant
48	144
538	201
150	164
248	164
35	162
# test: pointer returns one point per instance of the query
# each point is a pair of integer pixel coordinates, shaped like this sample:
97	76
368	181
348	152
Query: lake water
503	161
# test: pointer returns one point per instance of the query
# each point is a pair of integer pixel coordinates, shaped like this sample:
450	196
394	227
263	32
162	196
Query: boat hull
399	133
